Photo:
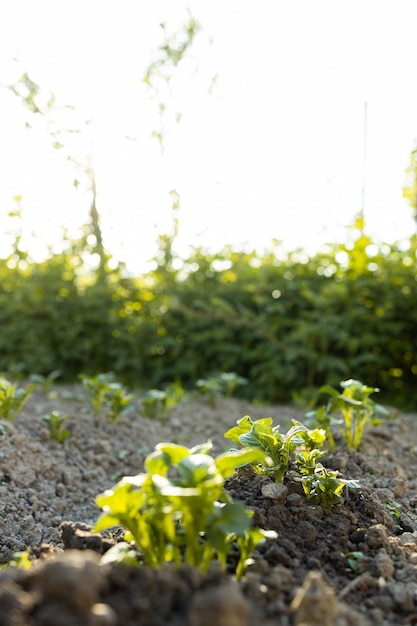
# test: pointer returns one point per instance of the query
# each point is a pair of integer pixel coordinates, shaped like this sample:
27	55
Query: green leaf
196	469
106	521
173	451
261	435
329	390
120	554
228	462
243	426
202	448
231	517
157	463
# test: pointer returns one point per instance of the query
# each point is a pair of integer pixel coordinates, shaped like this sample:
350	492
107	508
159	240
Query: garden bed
355	564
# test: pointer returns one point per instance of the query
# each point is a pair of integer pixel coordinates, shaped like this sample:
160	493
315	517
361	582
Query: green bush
283	322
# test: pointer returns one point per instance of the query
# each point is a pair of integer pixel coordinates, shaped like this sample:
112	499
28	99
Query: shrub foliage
284	322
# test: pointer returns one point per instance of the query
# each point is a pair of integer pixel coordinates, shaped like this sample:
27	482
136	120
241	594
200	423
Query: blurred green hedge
286	323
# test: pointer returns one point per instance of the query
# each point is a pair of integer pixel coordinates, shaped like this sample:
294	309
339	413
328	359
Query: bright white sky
275	151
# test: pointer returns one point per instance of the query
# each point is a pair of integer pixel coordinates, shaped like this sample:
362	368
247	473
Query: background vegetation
287	323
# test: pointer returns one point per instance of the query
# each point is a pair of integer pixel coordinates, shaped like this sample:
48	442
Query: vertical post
365	148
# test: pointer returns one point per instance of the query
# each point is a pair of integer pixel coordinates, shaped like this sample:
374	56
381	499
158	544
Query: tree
62	126
44	106
159	73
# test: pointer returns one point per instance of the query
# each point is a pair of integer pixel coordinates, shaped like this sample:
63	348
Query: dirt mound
355	564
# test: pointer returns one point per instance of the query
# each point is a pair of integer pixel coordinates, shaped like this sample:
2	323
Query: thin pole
365	149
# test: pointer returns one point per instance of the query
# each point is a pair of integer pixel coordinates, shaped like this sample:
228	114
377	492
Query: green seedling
121	553
210	389
176	393
97	388
306	398
320	418
276	446
20	560
307	460
55	422
116	400
247	544
323	485
178	510
394	508
155	404
12	398
104	391
45	382
353	559
230	381
356	410
319	483
313	439
223	385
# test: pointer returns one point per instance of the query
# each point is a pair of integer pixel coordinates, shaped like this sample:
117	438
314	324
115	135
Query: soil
303	576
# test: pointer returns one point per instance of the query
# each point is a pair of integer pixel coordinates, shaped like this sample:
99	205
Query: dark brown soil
303	576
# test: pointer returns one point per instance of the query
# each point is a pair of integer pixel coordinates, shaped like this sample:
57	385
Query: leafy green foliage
394	508
117	400
323	420
20	560
276	446
353	560
230	382
284	322
325	486
210	389
97	388
354	405
55	422
215	387
160	72
157	403
105	390
45	382
178	510
12	398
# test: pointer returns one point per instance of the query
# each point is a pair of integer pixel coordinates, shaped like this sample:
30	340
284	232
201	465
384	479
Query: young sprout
12	398
97	388
350	410
155	404
325	486
277	447
116	400
178	510
353	559
20	560
45	382
104	391
394	508
209	388
55	422
214	387
230	382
